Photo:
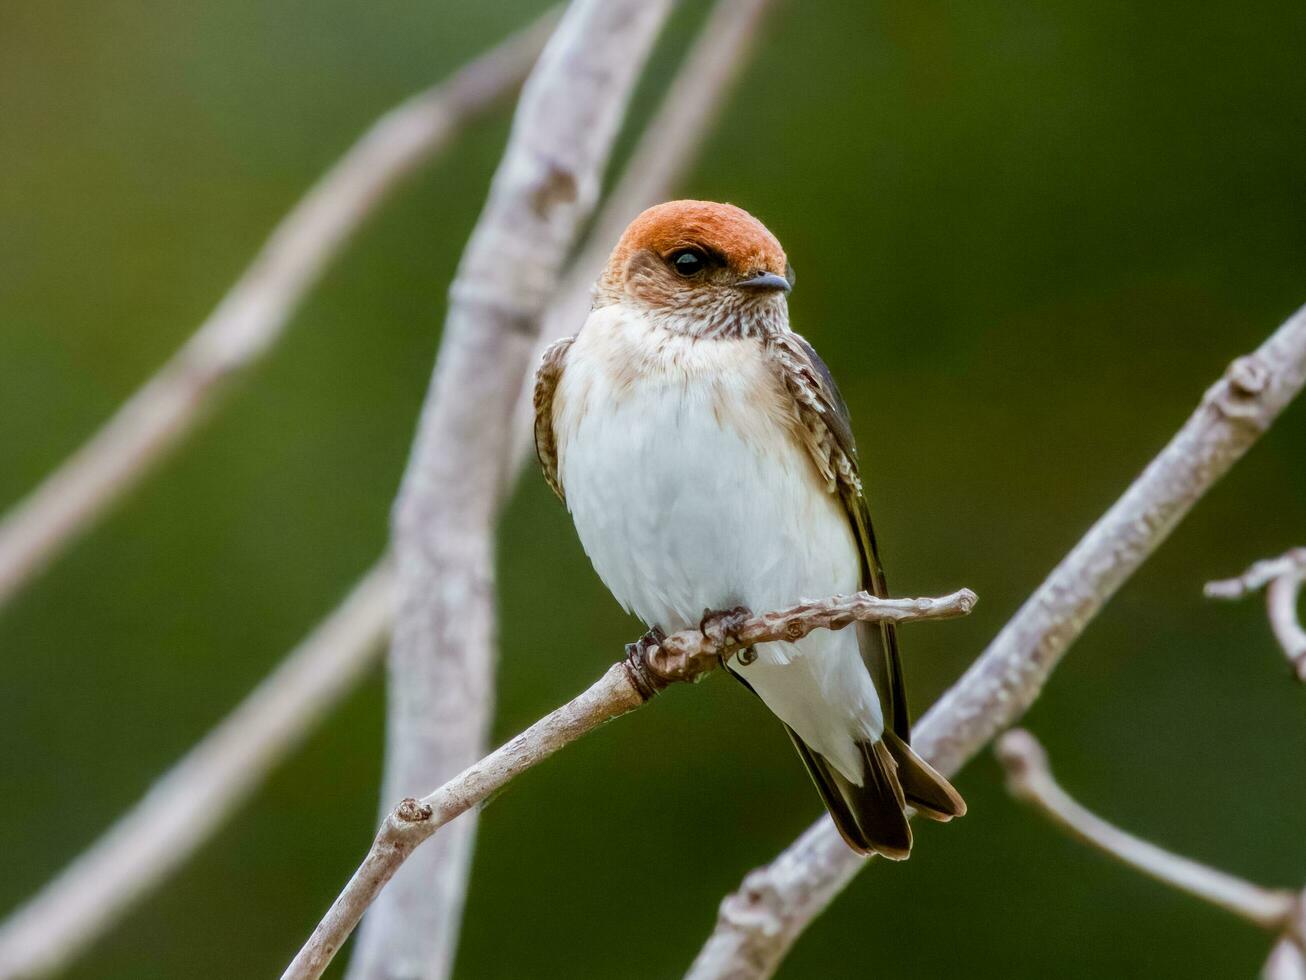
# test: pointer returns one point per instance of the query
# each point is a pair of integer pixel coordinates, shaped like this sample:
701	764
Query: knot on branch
556	185
1022	757
410	810
756	907
1237	396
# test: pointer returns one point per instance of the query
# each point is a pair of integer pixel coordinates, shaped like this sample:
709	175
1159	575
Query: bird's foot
721	627
646	681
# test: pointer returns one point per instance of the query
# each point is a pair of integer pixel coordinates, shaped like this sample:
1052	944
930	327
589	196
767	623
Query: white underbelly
680	511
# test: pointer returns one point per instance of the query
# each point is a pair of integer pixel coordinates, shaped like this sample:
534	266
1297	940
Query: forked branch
1282	580
188	804
256	310
648	668
759	922
1030	779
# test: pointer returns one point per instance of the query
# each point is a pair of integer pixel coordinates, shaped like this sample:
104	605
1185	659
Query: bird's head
701	268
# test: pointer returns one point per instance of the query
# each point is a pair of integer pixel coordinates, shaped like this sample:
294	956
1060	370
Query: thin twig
1281	606
254	313
1258	576
759	923
139	852
626	685
196	796
1282	579
443	654
1030	779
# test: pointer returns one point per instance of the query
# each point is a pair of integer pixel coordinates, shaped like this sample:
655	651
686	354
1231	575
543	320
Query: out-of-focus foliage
1027	237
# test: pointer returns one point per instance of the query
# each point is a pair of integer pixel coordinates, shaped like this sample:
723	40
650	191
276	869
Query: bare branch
1258	576
254	314
1287	960
443	653
680	654
1282	579
142	849
195	797
759	923
669	143
657	165
1281	603
1030	779
627	685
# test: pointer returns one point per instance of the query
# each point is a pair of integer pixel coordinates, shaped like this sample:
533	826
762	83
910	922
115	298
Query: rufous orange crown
730	232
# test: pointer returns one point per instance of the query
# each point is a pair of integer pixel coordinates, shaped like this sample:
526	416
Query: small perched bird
707	459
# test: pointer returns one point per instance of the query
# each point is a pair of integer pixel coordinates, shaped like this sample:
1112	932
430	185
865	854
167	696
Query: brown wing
546	383
827	432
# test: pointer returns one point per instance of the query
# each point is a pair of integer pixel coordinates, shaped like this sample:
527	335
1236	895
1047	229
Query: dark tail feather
869	817
926	790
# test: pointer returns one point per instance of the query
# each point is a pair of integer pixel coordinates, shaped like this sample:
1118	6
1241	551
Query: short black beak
767	282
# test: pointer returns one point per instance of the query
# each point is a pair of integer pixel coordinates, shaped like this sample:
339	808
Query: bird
707	459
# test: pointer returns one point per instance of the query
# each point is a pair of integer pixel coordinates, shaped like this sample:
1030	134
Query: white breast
690	492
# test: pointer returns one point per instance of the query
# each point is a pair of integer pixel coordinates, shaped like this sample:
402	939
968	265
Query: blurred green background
1027	237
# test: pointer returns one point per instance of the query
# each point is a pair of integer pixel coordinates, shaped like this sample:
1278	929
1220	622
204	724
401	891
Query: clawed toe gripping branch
651	664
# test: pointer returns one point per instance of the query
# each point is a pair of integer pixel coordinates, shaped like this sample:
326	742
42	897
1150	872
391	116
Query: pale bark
254	313
758	924
1287	960
443	654
192	799
1281	605
1282	579
156	837
681	657
657	165
1030	779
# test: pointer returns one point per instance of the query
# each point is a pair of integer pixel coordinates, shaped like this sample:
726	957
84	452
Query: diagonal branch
1030	779
656	167
1282	579
255	312
196	796
443	654
627	685
156	837
759	923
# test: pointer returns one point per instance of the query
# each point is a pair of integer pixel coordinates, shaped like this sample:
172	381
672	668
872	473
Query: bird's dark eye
688	262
